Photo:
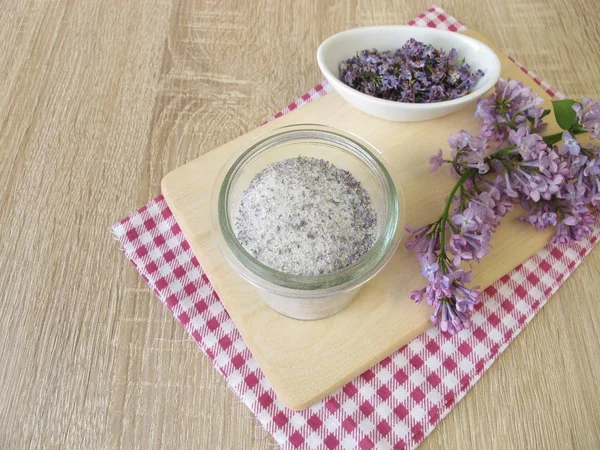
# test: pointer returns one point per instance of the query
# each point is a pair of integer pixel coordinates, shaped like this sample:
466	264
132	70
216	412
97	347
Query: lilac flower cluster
415	73
588	116
556	178
510	106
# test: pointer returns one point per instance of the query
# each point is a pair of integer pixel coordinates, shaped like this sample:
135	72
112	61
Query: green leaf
564	113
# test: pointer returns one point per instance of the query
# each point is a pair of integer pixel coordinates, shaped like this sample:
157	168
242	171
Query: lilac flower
466	220
470	151
549	218
470	246
592	168
459	140
541	215
588	116
466	299
509	190
454	306
574	193
437	93
535	116
477	161
491	206
535	187
459	247
562	235
447	293
555	184
502	204
436	161
529	145
429	268
550	163
449	318
570	144
575	226
418	240
389	82
570	220
509	106
417	296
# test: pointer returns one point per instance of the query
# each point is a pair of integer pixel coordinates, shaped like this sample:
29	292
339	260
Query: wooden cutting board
305	361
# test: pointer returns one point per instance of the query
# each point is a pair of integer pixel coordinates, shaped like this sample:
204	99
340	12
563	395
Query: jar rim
307	286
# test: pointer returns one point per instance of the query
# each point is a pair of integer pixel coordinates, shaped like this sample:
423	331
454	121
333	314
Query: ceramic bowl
346	44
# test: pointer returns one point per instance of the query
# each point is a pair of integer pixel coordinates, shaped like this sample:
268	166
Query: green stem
511	125
465	176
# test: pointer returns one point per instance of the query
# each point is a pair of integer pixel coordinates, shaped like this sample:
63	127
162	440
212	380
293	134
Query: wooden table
99	99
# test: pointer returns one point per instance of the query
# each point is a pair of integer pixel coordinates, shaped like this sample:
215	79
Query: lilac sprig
415	73
555	178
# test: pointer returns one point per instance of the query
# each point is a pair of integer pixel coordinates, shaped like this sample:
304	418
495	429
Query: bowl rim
292	287
339	84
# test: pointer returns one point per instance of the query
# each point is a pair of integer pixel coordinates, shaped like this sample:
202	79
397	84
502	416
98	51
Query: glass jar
318	296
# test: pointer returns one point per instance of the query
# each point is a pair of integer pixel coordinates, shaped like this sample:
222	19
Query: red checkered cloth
396	403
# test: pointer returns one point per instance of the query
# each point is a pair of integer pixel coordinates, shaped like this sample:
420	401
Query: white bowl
346	44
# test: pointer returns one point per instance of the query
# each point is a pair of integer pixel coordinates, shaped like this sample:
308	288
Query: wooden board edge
301	403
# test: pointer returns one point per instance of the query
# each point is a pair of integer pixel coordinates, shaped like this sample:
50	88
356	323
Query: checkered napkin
396	403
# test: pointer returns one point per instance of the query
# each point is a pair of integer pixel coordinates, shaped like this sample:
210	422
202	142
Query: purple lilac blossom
570	144
557	185
436	161
510	105
414	73
588	116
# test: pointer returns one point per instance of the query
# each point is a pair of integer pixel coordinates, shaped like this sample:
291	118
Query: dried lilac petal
414	73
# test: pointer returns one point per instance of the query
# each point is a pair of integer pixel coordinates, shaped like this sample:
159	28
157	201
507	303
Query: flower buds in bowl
405	73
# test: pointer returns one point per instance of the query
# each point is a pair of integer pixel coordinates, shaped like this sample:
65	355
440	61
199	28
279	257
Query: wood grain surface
100	99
